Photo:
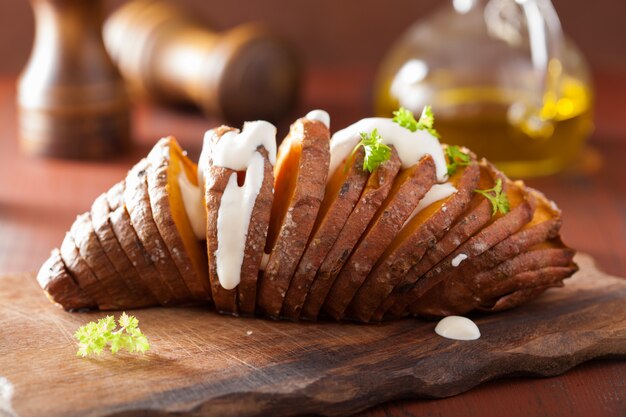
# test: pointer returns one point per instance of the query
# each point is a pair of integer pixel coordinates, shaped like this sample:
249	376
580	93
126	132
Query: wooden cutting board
204	364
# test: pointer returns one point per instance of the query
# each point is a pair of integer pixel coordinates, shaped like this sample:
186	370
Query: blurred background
333	33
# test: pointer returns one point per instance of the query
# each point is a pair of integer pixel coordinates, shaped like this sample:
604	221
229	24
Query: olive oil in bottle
491	92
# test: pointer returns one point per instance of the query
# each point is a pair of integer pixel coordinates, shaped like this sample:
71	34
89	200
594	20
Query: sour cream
457	328
238	151
411	146
194	205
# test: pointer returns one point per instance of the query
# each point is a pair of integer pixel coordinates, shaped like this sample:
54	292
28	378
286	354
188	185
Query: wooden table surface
39	199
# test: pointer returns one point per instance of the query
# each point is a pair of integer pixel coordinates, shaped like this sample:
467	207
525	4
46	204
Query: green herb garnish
94	337
405	118
497	198
376	152
456	158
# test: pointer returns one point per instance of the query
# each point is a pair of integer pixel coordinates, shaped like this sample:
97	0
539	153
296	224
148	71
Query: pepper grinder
246	73
72	101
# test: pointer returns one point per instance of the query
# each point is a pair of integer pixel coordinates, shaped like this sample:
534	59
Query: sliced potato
416	236
242	299
543	265
60	287
477	215
376	190
167	162
100	212
92	253
299	182
343	191
137	202
84	277
408	189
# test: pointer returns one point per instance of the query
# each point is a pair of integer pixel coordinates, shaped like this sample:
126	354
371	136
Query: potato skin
139	257
376	190
133	248
473	278
83	276
409	188
389	271
60	287
255	242
142	296
92	253
543	266
137	202
159	191
325	232
313	137
554	277
477	215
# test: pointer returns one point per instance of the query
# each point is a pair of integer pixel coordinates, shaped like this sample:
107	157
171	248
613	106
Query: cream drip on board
457	328
411	146
238	151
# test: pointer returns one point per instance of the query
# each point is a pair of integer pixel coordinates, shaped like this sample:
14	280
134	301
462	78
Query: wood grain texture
203	364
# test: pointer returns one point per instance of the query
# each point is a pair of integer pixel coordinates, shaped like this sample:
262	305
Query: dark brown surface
39	199
204	364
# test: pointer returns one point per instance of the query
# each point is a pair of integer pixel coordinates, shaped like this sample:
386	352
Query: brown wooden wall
344	32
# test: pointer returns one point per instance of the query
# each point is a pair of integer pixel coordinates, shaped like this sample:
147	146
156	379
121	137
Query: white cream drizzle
411	146
234	149
193	203
238	151
436	193
457	328
458	259
319	115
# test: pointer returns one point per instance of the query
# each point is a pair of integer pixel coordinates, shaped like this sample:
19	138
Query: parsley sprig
456	158
94	337
406	119
497	198
376	152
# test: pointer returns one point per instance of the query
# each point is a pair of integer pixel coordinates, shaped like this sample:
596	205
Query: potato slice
554	275
416	236
299	182
545	264
478	214
100	212
343	191
522	205
60	287
137	202
138	255
501	279
545	225
166	163
408	189
84	277
242	299
91	252
376	190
